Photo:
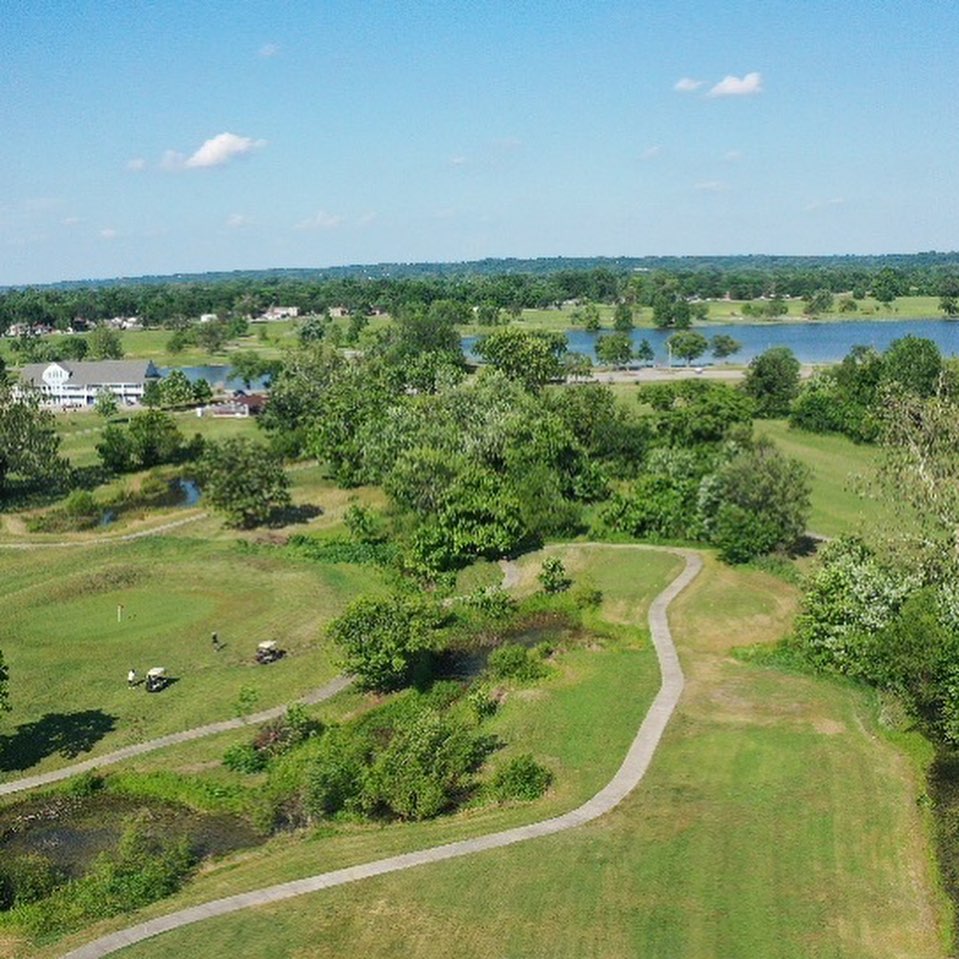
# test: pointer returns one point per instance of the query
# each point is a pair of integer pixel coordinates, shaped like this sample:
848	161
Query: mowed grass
579	721
68	654
844	497
776	821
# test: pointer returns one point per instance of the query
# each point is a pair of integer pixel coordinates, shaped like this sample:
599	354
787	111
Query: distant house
281	313
71	383
208	317
338	312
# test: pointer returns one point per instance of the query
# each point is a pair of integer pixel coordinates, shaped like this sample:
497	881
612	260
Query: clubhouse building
75	383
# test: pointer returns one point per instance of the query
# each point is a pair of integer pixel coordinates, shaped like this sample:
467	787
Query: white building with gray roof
74	383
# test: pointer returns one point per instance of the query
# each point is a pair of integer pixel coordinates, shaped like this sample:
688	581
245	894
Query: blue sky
170	137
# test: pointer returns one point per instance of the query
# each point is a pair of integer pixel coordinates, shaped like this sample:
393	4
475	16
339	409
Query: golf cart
268	652
156	679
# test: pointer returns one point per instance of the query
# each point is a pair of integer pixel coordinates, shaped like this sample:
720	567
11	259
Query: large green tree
688	345
532	357
382	637
104	343
29	443
614	349
244	480
772	380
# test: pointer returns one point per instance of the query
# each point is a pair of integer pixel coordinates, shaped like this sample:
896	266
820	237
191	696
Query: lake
811	342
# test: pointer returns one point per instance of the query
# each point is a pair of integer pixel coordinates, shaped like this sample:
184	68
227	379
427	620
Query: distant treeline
503	284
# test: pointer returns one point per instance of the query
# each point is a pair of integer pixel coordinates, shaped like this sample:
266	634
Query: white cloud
136	164
458	160
268	50
108	233
687	85
367	218
71	220
321	220
651	153
737	86
222	149
237	220
732	156
712	186
825	204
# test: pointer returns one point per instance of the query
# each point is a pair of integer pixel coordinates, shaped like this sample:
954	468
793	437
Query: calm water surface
811	342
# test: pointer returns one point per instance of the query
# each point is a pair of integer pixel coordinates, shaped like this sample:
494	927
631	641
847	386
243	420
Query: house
72	383
281	313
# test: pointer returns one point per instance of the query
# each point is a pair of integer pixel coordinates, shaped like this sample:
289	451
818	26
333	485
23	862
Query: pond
218	376
184	492
811	342
70	831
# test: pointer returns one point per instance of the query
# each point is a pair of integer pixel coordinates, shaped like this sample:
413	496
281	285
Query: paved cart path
198	732
630	773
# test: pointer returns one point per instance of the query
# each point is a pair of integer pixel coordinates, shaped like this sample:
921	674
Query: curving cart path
198	732
628	776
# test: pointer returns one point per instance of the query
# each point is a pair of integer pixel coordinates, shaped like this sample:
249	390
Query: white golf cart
156	679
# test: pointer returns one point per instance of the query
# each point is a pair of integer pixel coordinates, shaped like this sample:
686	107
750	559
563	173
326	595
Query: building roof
94	373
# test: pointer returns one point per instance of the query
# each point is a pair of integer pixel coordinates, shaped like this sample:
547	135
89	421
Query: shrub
25	879
522	778
553	576
245	758
586	596
141	870
423	769
511	661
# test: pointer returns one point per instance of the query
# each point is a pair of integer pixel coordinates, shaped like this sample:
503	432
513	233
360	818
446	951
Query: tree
772	380
106	403
914	364
4	685
487	314
154	439
202	392
920	471
552	576
723	345
176	390
623	318
949	295
644	352
590	317
533	357
755	503
312	330
104	343
381	638
153	394
821	301
244	480
248	365
688	345
577	366
614	349
29	443
886	286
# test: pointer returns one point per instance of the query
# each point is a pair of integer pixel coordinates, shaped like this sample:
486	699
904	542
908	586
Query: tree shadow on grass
67	734
293	515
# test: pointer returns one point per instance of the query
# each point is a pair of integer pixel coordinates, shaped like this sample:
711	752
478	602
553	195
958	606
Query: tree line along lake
811	342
